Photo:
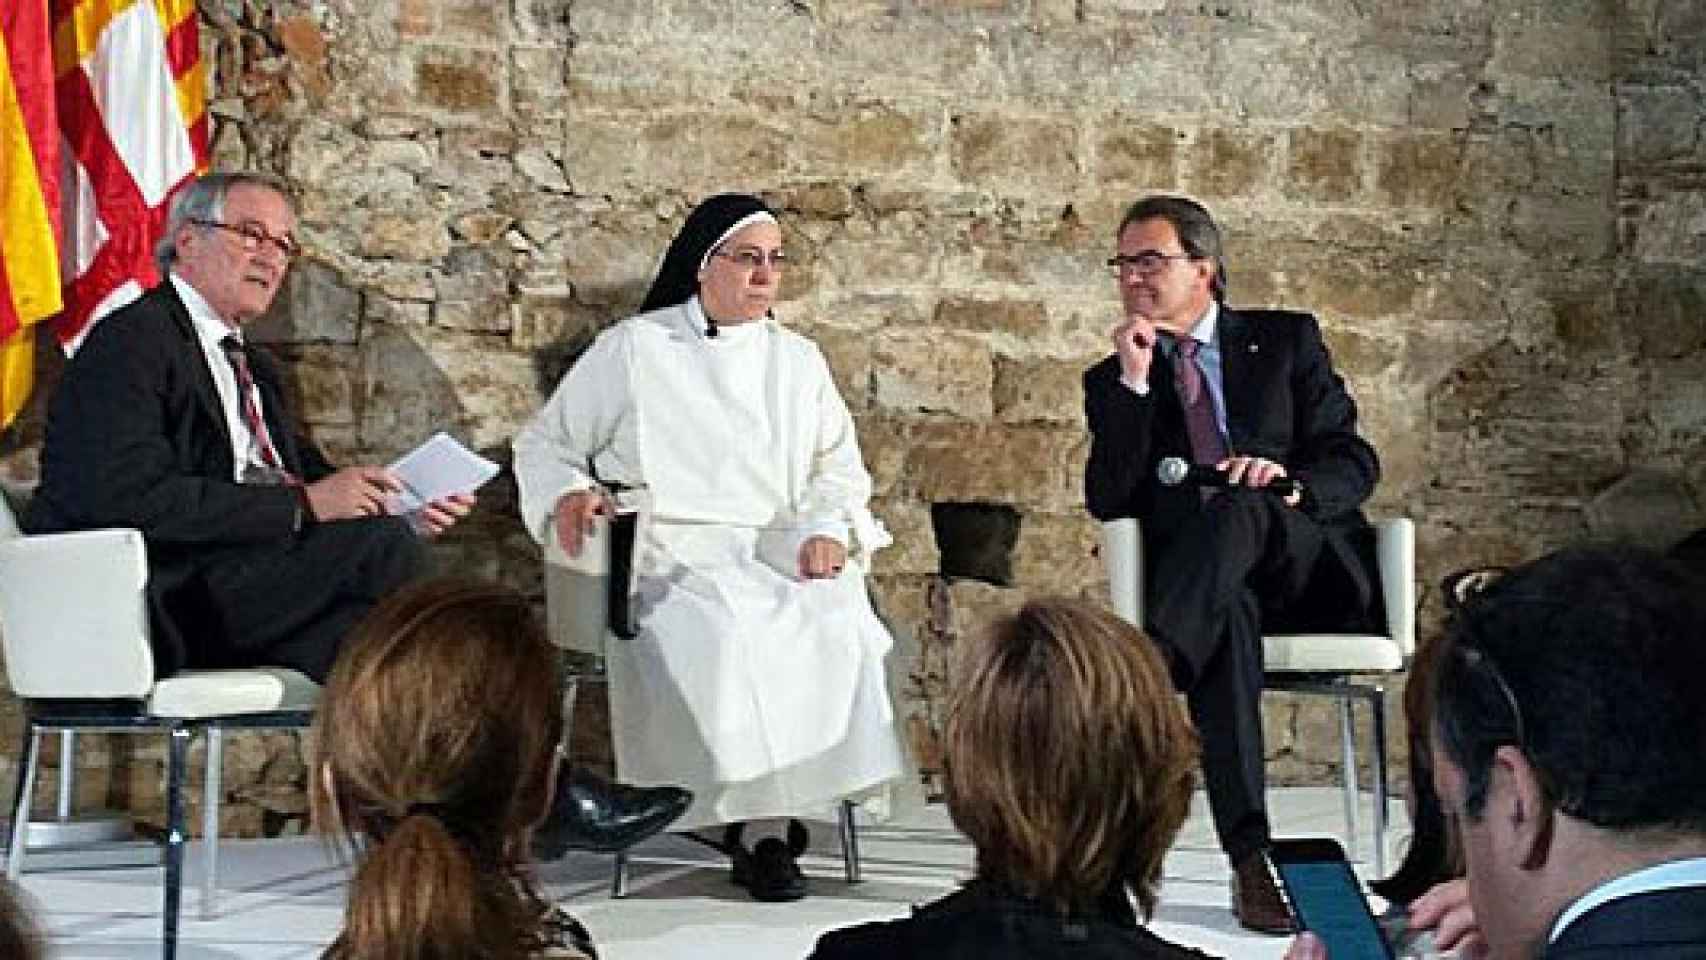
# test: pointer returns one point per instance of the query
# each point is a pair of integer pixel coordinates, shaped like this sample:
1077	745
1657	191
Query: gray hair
1198	234
204	199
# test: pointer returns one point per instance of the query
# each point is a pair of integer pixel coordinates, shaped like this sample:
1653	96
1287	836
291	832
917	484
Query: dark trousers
292	604
1244	561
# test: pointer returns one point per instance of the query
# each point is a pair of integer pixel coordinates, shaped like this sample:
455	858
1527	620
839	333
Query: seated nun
756	676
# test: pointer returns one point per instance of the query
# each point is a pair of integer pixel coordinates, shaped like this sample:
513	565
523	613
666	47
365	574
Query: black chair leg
177	759
850	843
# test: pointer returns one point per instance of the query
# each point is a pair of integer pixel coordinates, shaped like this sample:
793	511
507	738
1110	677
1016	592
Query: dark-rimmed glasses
749	259
1145	264
252	236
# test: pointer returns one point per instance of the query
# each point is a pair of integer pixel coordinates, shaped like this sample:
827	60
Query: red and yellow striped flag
132	99
29	195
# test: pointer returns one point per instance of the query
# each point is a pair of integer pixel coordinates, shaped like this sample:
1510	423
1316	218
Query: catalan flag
29	195
132	99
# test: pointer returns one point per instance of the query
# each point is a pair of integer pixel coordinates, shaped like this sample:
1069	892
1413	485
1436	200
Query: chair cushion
198	694
1330	653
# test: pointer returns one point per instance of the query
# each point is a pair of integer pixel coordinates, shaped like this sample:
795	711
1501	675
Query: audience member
436	745
1070	765
1569	713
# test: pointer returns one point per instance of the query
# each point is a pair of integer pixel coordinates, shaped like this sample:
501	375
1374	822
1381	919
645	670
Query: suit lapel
206	394
1238	359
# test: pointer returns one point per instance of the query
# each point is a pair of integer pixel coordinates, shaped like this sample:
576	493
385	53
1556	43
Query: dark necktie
252	411
1207	445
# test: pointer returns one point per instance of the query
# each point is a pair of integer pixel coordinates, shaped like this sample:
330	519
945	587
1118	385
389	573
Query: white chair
588	606
1326	664
74	623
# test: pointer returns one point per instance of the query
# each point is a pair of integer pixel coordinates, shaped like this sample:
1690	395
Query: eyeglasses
750	259
252	235
1145	264
1462	591
1480	663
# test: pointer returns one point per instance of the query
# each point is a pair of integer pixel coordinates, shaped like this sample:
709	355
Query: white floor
282	898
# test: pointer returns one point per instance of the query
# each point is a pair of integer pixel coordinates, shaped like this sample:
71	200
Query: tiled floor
282	898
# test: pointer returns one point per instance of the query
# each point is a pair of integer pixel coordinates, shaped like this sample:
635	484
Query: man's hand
351	493
822	557
576	513
1255	472
1446	910
440	515
1307	946
1134	341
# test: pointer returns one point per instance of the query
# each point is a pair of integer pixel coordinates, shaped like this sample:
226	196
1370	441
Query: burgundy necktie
1207	445
251	410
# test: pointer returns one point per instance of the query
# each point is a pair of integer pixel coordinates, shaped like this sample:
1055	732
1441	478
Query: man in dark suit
1569	713
260	552
1252	394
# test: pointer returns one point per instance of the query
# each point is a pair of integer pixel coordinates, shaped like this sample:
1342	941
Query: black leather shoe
771	870
592	813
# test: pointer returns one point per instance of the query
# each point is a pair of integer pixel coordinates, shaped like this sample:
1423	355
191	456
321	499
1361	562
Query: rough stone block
323	384
870	141
1678	401
1015	153
1416	170
1324	164
849	353
419	237
1138	155
922	371
691	152
884	441
1026	467
1665	308
315	305
1021	318
457	80
914	549
1227	162
1058	554
1040	391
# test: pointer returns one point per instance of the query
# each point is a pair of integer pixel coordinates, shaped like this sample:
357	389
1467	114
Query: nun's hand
822	557
576	513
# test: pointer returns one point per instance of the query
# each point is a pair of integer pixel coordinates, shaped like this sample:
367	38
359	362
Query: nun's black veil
678	278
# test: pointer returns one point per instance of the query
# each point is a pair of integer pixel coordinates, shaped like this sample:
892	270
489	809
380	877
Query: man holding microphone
1270	536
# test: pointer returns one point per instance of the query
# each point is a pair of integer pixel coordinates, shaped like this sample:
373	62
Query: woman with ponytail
436	745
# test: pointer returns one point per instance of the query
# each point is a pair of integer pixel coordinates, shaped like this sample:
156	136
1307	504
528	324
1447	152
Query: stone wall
1497	208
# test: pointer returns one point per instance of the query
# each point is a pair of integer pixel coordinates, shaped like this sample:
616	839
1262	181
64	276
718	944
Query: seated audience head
1569	713
1070	762
436	740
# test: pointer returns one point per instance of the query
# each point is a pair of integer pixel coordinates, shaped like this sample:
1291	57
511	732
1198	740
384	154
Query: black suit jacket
1664	925
980	923
1284	402
136	437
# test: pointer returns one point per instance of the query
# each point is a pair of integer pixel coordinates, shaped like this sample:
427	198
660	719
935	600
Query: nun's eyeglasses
749	259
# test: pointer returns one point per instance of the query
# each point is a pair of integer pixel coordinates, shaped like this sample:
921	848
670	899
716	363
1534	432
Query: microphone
1173	471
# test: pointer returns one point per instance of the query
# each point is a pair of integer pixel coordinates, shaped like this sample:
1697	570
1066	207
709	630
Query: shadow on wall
616	301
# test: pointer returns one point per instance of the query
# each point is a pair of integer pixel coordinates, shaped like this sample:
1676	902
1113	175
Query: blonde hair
1070	761
436	739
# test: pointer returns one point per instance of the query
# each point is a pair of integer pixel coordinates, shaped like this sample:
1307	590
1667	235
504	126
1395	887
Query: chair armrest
1122	557
74	615
1395	546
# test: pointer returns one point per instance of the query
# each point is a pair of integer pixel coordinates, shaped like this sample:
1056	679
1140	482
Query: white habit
758	690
